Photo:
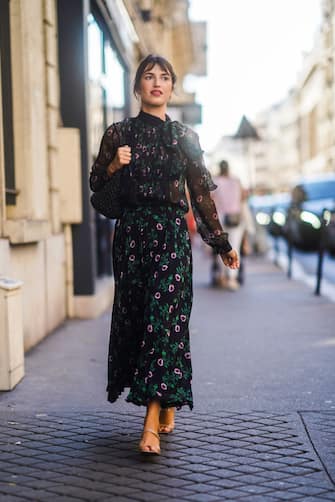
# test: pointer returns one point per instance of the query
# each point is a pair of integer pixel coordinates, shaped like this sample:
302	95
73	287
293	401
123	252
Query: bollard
289	256
321	254
276	251
11	333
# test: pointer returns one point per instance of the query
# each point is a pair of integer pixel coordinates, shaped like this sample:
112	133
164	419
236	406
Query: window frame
7	104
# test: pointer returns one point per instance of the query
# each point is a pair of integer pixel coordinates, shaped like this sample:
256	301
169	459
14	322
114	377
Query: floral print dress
149	347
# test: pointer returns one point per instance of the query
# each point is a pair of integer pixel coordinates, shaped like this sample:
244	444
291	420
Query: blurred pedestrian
149	347
228	200
248	233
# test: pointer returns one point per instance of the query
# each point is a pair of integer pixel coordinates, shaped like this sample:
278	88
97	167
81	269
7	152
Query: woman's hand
231	259
122	157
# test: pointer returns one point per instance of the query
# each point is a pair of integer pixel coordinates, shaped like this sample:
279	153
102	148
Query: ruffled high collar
152	119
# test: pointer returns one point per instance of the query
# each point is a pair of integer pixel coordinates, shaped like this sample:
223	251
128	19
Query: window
106	82
6	105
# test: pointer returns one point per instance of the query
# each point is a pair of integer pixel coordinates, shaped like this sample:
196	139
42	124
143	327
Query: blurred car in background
329	231
269	212
311	208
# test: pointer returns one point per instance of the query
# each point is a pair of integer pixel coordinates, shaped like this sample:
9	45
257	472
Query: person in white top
228	200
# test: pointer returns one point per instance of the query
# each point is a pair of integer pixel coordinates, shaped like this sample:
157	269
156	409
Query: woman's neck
159	112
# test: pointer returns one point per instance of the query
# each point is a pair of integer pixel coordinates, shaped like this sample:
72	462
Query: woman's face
155	87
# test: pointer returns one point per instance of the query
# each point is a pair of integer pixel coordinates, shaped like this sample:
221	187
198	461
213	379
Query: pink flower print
152	351
217	232
164	267
183	317
164	245
157	295
157	257
136	372
171	309
173	255
142	343
171	288
132	244
177	371
177	276
150	328
137	156
182	202
181	345
215	216
177	328
168	332
159	226
132	257
163	386
178	221
199	198
156	274
160	362
187	355
174	142
146	380
176	183
128	229
155	243
150	374
159	394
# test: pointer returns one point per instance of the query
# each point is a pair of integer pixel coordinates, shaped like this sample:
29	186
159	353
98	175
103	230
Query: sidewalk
263	425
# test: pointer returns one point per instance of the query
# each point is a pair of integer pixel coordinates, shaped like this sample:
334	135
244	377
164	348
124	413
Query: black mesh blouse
166	155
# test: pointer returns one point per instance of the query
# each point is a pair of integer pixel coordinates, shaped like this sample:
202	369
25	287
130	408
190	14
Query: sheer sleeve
200	184
108	147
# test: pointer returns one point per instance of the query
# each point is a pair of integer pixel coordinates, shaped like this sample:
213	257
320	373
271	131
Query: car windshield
320	190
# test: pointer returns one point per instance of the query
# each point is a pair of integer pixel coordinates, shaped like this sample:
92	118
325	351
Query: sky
255	53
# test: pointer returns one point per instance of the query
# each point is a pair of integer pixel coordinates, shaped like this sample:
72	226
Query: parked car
269	213
279	210
310	200
329	231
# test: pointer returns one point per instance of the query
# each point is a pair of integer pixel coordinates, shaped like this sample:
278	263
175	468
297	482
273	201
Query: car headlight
279	218
263	218
310	218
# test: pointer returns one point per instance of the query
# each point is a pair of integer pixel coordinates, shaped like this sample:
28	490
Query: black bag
107	200
232	220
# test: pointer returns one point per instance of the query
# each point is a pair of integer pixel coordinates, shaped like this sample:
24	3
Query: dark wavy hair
147	64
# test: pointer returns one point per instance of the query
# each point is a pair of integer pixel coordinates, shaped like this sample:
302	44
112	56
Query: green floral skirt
149	348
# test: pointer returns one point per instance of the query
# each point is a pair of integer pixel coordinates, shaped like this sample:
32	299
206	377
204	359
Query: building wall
32	238
298	135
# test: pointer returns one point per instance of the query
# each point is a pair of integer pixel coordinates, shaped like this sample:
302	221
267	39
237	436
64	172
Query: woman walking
149	349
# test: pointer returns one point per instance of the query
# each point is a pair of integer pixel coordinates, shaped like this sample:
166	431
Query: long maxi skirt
149	347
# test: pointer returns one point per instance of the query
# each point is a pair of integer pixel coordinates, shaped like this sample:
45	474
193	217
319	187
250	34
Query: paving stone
203	497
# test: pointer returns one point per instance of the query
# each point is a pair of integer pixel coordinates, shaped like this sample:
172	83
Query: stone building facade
66	73
298	134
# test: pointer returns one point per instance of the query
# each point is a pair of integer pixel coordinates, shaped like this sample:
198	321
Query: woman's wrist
111	169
